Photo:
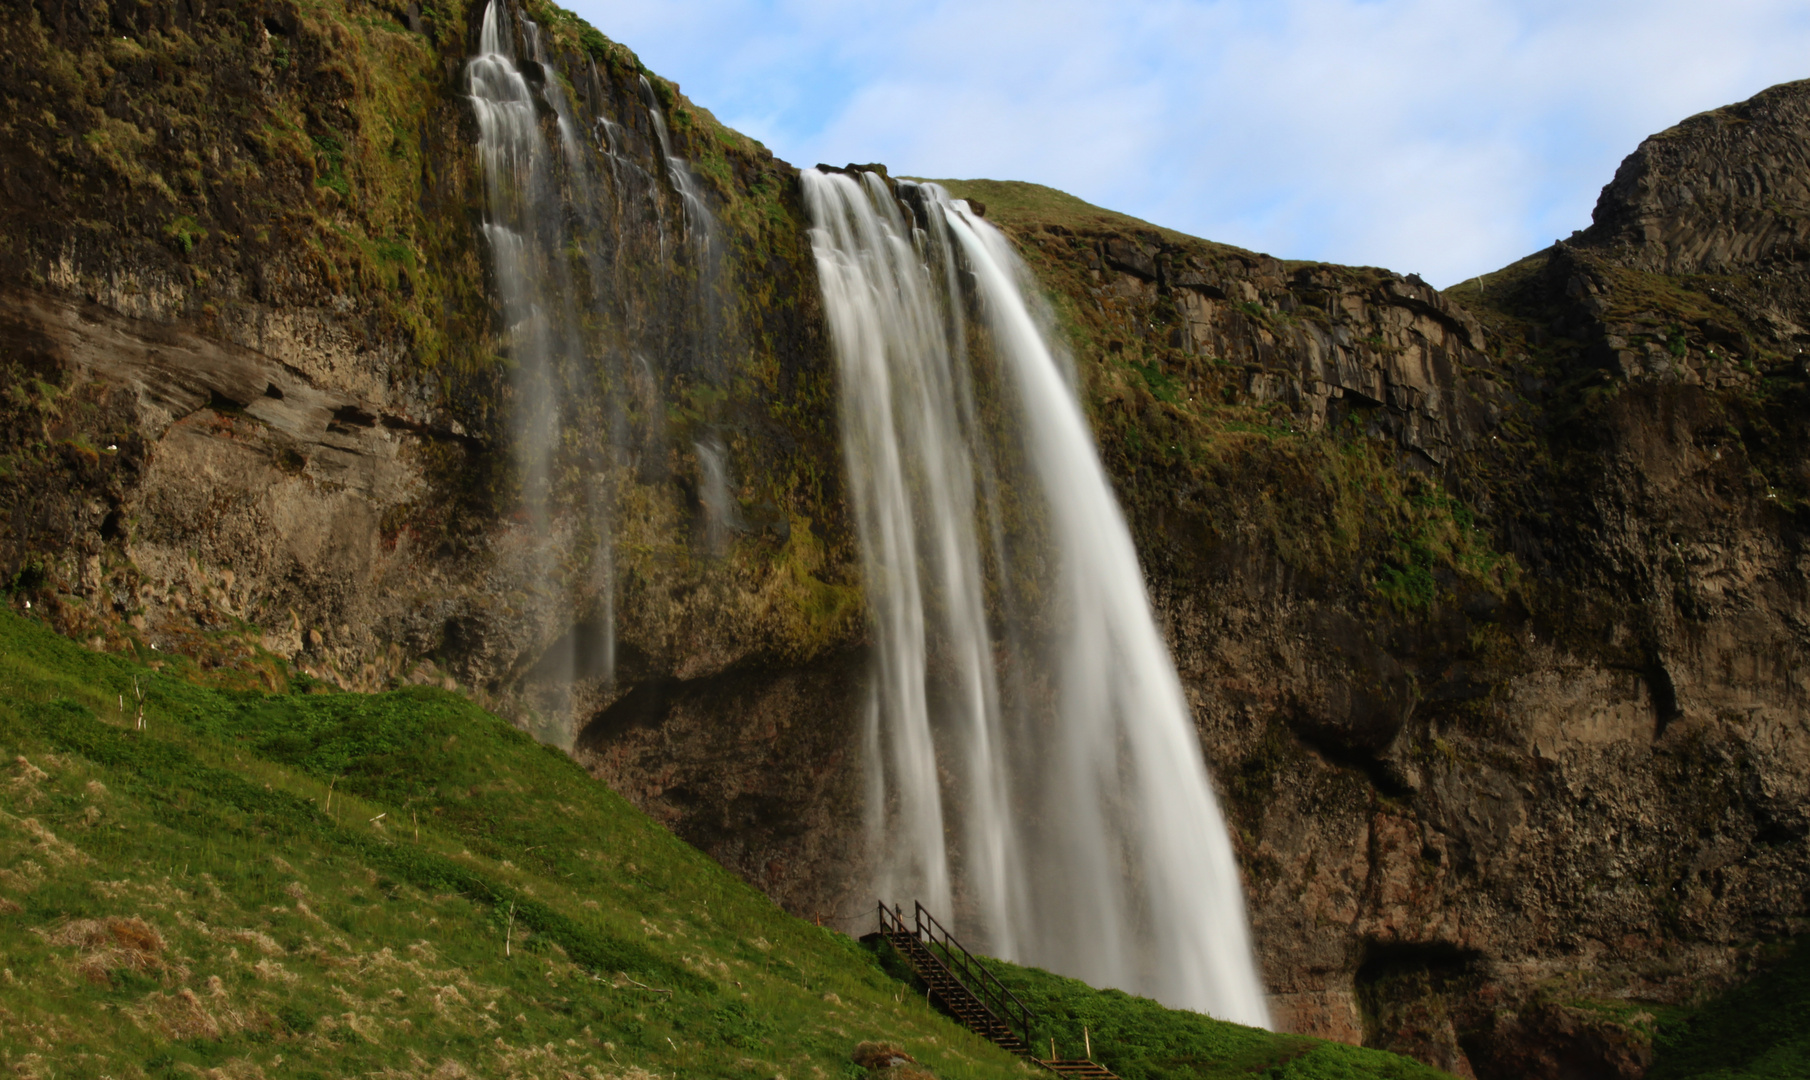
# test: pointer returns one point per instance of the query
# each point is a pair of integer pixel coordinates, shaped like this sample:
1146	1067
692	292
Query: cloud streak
1447	137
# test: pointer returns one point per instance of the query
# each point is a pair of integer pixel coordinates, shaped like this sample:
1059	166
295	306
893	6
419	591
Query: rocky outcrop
760	768
259	401
1321	341
1726	191
279	486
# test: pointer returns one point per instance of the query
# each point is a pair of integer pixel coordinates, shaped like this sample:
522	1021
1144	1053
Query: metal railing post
987	989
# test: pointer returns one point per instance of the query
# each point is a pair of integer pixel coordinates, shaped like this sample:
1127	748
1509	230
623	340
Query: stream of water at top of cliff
1047	784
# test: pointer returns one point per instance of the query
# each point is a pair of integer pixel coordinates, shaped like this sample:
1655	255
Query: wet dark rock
1130	256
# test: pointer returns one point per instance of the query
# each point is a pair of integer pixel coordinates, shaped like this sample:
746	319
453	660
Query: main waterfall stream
1032	766
1056	799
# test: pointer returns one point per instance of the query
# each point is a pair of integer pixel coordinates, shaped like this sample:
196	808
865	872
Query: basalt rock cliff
1493	604
258	396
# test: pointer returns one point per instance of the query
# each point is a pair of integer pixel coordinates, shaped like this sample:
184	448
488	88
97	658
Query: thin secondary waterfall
576	207
1070	823
705	342
602	317
698	221
522	223
525	226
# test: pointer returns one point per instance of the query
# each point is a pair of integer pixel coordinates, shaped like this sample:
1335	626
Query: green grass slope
401	885
1019	202
1138	1039
327	885
1757	1031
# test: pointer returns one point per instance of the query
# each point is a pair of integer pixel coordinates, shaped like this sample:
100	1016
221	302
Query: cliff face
1727	191
260	393
1492	605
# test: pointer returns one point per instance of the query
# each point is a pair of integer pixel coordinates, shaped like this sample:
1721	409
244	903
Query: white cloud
1444	136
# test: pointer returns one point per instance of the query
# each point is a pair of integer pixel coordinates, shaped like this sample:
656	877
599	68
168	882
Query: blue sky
1444	137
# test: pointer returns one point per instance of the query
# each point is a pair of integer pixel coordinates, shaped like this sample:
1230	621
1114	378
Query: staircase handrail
1009	1008
892	920
926	931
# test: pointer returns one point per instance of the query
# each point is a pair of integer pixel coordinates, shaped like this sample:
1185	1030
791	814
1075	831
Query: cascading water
573	221
701	236
525	227
595	496
522	224
1044	784
720	511
906	440
1079	830
698	221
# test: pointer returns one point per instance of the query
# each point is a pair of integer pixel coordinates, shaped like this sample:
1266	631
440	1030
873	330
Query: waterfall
720	511
699	223
577	204
522	224
525	226
1067	819
706	338
1033	768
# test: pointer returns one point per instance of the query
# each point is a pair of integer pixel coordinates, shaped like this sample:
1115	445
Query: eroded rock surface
260	400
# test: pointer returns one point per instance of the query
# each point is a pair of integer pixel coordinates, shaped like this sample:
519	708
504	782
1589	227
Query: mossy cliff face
1491	604
259	395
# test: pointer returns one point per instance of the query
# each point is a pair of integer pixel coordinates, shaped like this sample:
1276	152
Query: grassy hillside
313	885
1139	1039
335	885
1759	1031
320	885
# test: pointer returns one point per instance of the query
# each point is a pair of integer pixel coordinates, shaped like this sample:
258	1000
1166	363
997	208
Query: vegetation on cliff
298	180
1184	431
1759	1031
1489	603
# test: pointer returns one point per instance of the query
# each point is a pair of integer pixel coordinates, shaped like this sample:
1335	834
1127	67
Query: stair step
972	1011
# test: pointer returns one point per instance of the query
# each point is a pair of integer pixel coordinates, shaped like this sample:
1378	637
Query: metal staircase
970	992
